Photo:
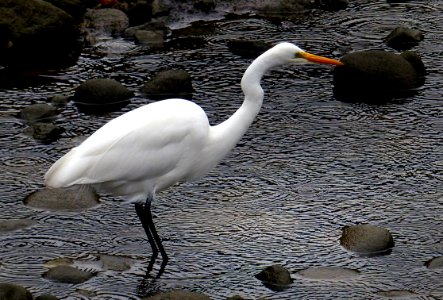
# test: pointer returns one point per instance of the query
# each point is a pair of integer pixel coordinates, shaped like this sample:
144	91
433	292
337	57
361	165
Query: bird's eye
297	55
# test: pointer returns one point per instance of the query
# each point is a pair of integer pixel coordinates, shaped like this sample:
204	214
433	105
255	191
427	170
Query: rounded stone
328	273
403	38
38	113
9	291
68	274
72	199
169	84
14	224
178	295
375	76
101	95
366	239
435	263
275	277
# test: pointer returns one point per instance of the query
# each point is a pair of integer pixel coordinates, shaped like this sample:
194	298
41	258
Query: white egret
157	145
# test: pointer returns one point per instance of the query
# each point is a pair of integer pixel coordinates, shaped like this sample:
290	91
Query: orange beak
320	59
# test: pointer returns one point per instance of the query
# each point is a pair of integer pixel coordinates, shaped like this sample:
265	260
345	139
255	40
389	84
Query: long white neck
224	136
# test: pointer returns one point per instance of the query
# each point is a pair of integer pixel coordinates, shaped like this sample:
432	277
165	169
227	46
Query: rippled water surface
308	166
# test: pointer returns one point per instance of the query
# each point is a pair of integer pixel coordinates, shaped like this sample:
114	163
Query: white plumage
157	145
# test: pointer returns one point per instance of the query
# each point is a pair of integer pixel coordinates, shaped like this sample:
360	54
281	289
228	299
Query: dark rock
44	132
205	5
38	113
282	9
248	48
101	95
152	26
401	294
332	5
115	262
46	297
436	262
37	35
76	8
235	297
275	277
188	42
68	274
375	76
153	39
10	291
415	60
105	22
139	12
59	100
402	38
169	84
178	295
14	224
368	240
72	199
328	273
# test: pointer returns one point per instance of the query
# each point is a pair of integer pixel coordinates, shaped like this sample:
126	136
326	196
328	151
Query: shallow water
308	166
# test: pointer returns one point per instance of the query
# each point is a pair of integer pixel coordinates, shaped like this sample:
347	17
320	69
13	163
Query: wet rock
435	263
275	277
61	261
415	60
139	12
101	95
38	113
205	5
44	132
72	199
14	224
235	297
332	5
101	23
169	84
68	274
375	76
248	48
397	294
115	262
46	297
10	291
402	38
38	35
366	239
75	8
281	9
328	273
59	101
154	39
178	295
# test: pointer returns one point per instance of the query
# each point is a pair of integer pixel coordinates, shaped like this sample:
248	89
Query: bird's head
290	53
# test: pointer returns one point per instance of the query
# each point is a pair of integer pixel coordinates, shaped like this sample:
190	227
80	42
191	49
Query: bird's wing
144	143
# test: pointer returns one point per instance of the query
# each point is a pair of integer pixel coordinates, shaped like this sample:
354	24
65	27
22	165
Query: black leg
145	216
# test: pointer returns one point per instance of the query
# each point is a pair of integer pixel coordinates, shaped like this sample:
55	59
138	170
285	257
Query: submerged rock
328	273
436	262
68	274
44	132
101	95
248	48
275	277
402	38
375	76
169	84
397	294
178	295
40	112
10	291
37	34
366	239
15	224
46	297
73	199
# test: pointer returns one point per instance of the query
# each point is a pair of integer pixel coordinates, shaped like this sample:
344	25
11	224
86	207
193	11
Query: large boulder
36	34
376	76
101	95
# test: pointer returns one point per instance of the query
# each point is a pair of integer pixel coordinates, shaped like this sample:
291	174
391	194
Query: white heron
157	145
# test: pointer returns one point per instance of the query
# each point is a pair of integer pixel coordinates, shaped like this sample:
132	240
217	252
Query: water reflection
308	166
